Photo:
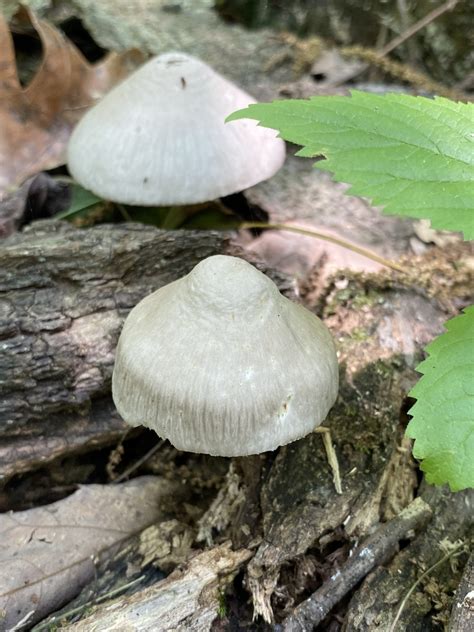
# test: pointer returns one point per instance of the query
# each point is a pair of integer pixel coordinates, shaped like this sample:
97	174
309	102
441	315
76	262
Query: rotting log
462	614
415	586
64	293
379	331
371	552
381	327
380	323
188	599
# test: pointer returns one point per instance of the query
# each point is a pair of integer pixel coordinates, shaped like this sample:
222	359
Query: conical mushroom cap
160	138
219	362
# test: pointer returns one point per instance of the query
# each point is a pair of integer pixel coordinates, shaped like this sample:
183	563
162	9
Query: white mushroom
219	362
160	138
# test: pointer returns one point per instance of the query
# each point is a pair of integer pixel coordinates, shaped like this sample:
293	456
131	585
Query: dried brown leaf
297	255
48	554
36	121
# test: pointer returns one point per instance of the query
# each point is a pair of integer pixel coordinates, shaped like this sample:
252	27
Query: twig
334	240
376	549
138	463
405	25
375	58
402	72
414	28
420	579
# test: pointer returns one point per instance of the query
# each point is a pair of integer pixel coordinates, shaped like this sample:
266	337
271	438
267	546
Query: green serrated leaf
443	416
412	155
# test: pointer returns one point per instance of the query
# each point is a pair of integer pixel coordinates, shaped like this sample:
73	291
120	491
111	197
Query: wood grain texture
64	293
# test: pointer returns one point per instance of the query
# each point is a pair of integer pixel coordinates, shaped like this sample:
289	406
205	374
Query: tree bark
462	614
64	293
374	551
380	597
188	599
379	332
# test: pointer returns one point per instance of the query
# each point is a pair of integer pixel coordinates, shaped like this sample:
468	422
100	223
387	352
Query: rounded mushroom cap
219	362
160	138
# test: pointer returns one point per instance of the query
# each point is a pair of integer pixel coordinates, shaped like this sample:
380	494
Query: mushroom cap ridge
219	362
160	138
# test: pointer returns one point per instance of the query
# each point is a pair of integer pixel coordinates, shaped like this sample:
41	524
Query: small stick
405	25
414	28
332	457
334	240
138	463
375	550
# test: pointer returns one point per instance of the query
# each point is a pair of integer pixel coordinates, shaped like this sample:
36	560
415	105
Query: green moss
370	408
355	296
359	334
222	608
368	299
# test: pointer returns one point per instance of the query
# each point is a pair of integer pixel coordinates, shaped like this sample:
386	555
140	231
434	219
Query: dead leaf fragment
47	554
39	197
36	121
297	255
426	234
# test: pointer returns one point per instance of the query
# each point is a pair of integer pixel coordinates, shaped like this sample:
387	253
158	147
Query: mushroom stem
332	457
335	240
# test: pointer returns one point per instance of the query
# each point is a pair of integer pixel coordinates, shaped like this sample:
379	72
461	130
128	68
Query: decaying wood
73	302
64	293
379	334
225	506
142	561
186	600
48	554
376	604
194	28
375	550
380	326
462	615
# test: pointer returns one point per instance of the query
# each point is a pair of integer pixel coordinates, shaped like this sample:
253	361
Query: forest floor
104	527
